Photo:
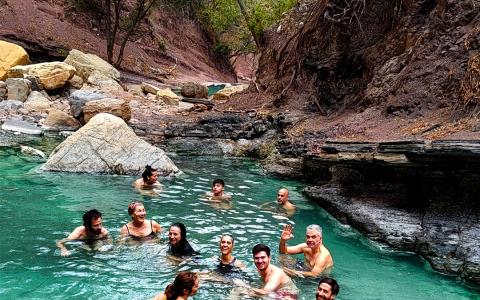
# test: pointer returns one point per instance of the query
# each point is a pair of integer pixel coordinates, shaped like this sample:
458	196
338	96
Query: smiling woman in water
139	228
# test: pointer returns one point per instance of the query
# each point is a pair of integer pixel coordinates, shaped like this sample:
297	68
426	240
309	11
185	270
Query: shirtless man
317	257
275	279
218	187
91	230
282	200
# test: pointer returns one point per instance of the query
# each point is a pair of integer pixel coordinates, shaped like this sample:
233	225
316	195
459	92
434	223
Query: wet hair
148	172
229	235
215	181
183	281
132	206
90	215
315	227
259	248
332	283
183	231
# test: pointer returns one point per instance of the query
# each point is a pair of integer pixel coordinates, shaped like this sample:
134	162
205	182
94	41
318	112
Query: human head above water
185	284
148	172
259	248
327	289
132	206
282	196
183	231
316	228
218	187
218	181
88	219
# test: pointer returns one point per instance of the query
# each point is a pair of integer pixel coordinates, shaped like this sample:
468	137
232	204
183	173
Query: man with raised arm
90	231
317	257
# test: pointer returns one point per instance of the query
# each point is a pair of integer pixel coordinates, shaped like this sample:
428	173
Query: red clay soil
49	29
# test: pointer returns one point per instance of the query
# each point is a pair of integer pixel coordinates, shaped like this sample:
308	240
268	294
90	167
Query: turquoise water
39	208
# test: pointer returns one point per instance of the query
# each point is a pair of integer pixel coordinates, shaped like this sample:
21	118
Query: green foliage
221	49
225	19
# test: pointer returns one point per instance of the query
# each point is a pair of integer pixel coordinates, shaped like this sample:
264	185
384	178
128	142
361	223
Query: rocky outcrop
116	107
21	126
194	90
18	89
10	56
51	75
37	102
3	90
58	120
103	82
168	97
107	145
227	92
86	64
78	99
412	195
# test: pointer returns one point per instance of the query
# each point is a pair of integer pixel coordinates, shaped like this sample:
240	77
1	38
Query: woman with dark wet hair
149	179
184	286
177	239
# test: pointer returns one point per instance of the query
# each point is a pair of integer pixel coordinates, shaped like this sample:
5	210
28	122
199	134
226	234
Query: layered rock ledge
412	195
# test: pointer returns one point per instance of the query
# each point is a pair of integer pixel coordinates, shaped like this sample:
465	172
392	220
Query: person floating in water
185	285
90	231
327	289
139	228
276	281
177	239
218	191
228	262
149	182
317	257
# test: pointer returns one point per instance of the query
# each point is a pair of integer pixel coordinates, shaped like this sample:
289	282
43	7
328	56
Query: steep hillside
373	70
169	46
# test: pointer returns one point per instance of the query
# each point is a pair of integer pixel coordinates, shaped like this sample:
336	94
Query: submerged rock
32	151
107	145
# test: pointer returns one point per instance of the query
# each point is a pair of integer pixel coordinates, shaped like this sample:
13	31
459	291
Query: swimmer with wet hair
317	257
185	285
228	262
327	289
149	179
177	239
91	230
276	281
139	228
218	191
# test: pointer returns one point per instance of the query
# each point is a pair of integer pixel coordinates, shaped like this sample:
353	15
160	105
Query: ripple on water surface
39	208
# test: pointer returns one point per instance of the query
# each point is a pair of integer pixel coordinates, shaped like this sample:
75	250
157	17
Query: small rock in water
32	151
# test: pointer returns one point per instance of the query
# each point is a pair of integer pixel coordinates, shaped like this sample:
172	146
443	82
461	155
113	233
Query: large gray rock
107	145
18	89
86	64
194	90
21	126
78	99
11	104
37	102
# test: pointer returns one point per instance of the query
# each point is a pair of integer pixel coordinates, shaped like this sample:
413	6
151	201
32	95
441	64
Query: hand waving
287	232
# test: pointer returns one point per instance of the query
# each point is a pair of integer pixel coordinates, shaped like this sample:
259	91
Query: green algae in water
39	208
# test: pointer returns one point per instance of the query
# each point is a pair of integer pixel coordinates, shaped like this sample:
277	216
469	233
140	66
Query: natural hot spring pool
39	208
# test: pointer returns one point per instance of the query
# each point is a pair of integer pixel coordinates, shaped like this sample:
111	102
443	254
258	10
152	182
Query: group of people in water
277	281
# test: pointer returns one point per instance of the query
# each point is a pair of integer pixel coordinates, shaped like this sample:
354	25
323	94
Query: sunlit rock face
107	145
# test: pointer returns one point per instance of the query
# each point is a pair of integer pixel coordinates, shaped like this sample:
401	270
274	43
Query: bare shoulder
78	233
160	297
138	182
